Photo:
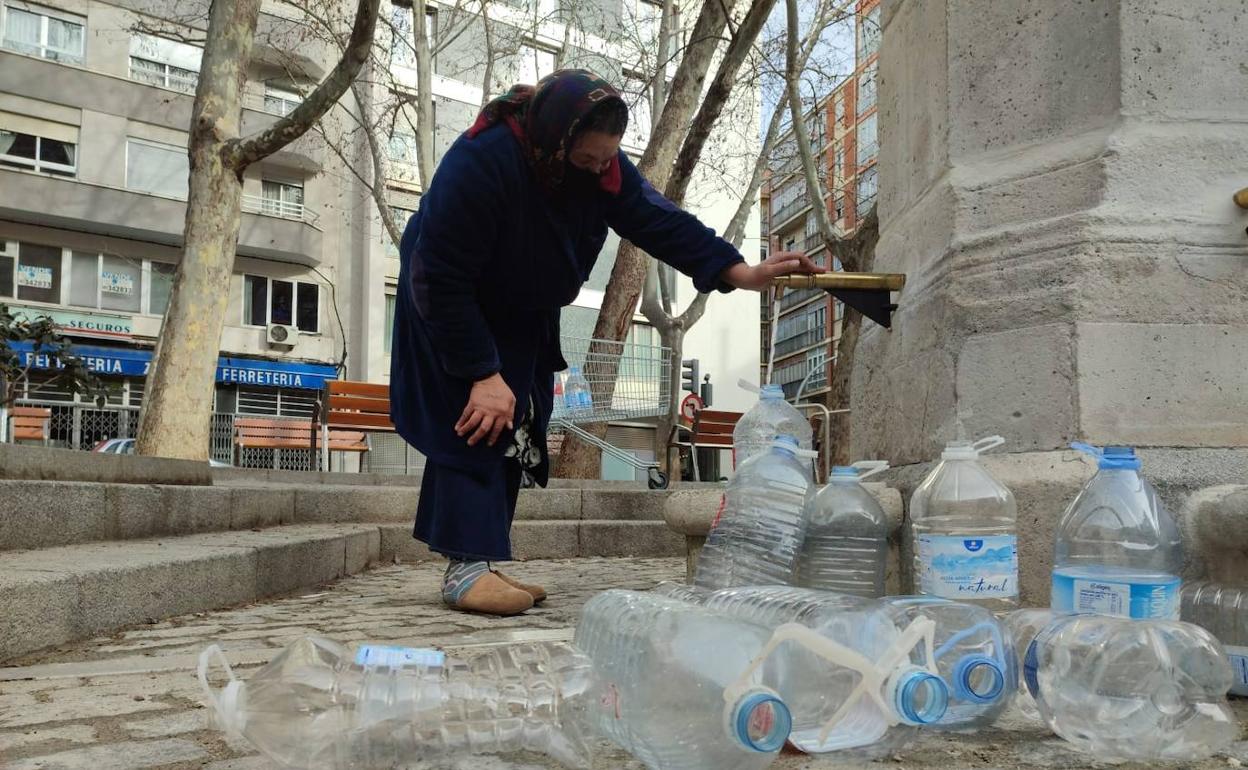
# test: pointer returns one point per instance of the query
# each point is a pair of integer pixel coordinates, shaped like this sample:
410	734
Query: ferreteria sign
77	324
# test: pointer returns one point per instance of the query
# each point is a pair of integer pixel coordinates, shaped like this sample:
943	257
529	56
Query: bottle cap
920	697
574	369
858	471
1111	458
772	391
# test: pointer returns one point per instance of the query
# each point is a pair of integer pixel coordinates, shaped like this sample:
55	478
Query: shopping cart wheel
658	479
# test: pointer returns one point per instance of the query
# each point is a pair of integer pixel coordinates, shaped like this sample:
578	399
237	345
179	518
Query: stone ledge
56	595
38	463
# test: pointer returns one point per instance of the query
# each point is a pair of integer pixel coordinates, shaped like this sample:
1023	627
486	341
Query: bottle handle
807	453
871	467
748	386
986	443
206	658
1087	449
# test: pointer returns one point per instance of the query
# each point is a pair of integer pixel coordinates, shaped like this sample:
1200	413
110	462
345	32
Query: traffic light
689	375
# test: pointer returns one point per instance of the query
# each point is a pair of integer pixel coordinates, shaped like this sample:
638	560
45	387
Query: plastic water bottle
1132	690
1023	626
772	416
973	654
760	529
846	544
1222	611
676	689
965	530
1118	550
851	678
318	705
576	393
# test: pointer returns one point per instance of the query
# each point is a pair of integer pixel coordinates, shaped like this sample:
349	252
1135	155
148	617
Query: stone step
555	539
46	514
55	595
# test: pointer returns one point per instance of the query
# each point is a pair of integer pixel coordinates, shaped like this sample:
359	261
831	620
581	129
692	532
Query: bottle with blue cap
846	544
576	393
1133	690
677	685
758	532
964	526
852	678
1118	552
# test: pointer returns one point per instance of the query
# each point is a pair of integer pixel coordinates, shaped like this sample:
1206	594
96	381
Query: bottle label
1239	667
1121	598
960	568
398	657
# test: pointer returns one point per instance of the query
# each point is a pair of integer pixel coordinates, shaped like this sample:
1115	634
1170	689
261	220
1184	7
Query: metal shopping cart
628	382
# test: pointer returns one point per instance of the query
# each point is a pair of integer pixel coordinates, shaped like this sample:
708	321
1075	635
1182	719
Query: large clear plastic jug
846	543
1144	690
576	393
1222	611
851	678
772	416
1023	626
761	527
973	654
321	706
964	523
672	691
1118	550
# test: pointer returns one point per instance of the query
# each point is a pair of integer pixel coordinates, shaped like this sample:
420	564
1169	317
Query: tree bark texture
177	413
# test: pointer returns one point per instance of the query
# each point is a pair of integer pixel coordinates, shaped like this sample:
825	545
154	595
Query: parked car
125	446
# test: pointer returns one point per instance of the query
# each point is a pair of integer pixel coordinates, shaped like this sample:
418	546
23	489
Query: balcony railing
789	210
812	242
803	340
270	207
795	298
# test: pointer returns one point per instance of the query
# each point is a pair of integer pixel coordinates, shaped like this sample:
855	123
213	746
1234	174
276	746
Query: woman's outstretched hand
756	277
491	407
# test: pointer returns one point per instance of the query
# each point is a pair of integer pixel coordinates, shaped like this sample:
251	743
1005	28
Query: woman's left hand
757	277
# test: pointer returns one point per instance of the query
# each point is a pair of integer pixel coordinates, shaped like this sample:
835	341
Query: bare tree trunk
857	254
578	459
176	416
424	95
487	79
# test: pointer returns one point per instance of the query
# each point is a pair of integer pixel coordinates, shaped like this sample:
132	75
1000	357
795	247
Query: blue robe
486	264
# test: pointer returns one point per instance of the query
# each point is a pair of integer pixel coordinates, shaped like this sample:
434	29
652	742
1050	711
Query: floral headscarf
544	120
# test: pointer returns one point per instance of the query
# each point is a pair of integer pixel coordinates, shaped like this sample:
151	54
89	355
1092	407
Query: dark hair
610	116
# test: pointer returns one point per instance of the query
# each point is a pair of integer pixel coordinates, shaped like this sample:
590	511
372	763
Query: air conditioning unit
282	336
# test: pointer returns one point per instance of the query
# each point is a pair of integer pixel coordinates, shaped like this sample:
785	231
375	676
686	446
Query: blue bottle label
1239	666
1152	599
959	568
397	657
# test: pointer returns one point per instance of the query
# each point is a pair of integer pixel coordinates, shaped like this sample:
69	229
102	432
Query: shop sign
115	282
83	324
34	276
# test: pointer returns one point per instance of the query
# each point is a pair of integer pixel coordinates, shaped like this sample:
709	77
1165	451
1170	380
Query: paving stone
83	704
12	741
173	724
129	755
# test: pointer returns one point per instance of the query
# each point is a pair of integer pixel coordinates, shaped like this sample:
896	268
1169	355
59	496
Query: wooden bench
30	423
361	406
268	433
711	429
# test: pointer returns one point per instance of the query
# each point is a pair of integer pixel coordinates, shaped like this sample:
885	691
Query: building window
838	107
400	216
38	274
816	364
868	139
868	186
159	169
281	199
276	301
39	31
105	282
866	90
838	208
402	35
38	145
165	63
280	101
535	63
8	266
160	287
401	148
869	34
387	334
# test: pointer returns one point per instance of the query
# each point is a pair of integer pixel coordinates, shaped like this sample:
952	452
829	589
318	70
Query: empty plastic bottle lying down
318	706
969	650
851	677
1132	689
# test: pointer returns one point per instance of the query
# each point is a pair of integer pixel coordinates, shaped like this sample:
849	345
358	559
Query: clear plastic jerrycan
1118	550
846	545
965	530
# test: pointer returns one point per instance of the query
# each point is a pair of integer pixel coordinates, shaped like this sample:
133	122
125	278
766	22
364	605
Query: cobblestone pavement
131	700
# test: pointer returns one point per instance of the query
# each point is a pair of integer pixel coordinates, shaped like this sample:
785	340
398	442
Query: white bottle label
397	657
1239	666
1112	595
961	568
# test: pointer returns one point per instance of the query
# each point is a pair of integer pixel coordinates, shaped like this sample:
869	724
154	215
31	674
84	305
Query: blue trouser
467	515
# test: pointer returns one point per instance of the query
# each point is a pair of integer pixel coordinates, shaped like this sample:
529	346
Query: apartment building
843	128
94	107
